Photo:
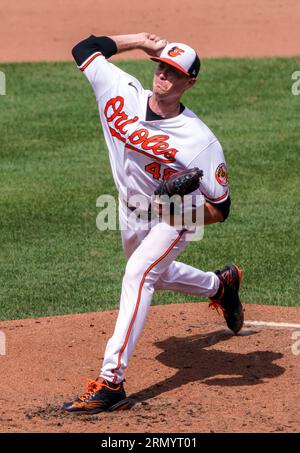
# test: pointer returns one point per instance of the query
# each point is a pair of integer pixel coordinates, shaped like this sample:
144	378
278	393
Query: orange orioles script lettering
175	51
158	144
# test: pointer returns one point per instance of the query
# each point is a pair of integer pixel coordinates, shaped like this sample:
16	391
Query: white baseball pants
151	266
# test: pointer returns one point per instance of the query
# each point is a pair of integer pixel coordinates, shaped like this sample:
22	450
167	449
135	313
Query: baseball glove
181	183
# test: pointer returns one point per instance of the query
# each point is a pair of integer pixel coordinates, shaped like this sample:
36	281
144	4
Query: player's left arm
214	213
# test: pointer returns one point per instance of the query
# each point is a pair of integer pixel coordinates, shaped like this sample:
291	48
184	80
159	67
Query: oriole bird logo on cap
175	51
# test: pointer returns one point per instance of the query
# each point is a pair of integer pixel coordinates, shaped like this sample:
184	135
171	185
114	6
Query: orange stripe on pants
139	299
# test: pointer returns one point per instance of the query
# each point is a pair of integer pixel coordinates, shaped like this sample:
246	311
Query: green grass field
54	165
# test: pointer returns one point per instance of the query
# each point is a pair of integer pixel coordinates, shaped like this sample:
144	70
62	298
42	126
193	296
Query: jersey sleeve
214	184
91	57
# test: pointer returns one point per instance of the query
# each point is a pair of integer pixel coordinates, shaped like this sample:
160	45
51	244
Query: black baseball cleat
99	397
227	297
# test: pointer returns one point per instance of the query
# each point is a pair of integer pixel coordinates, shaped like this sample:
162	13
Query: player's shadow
196	361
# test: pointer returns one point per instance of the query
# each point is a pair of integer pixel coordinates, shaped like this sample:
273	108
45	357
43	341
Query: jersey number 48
154	168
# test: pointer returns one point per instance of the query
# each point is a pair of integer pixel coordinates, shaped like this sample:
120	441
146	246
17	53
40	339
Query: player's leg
151	258
222	288
187	279
104	395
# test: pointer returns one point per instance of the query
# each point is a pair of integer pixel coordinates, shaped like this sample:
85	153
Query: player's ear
192	81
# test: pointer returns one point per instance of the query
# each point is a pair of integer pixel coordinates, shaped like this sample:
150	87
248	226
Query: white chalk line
280	325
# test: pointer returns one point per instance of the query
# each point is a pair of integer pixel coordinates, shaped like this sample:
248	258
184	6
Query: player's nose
163	74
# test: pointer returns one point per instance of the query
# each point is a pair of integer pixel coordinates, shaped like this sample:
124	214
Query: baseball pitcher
158	146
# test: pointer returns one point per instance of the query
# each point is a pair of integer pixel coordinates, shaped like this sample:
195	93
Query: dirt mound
185	371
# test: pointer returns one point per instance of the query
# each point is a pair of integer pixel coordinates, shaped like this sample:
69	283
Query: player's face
169	81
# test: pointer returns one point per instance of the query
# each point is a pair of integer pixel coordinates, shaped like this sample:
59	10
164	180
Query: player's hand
152	44
162	209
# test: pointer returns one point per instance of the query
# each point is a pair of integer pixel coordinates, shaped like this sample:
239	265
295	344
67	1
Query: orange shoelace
216	305
92	387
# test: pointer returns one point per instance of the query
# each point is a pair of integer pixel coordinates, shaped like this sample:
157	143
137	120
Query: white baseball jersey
143	153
